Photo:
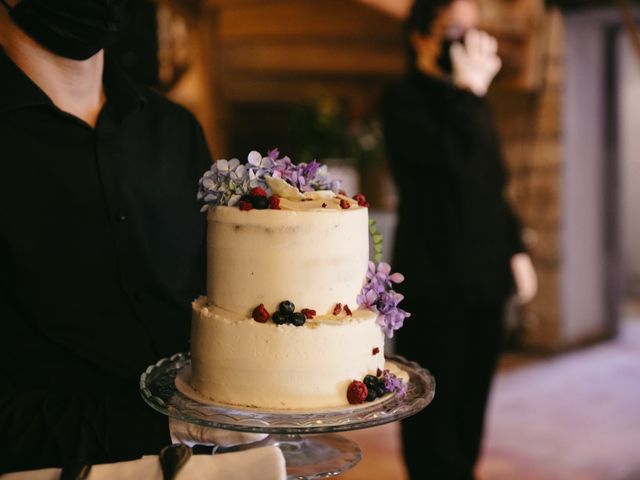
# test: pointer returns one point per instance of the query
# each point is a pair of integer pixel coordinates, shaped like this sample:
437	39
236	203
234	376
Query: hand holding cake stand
307	439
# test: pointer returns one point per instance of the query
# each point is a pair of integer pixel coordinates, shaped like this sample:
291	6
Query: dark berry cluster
368	390
259	199
286	314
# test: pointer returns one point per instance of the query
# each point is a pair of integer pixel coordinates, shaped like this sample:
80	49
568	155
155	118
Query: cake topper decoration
227	181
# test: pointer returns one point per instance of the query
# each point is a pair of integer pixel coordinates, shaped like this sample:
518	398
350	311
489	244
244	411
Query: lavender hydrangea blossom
378	295
394	384
223	184
227	180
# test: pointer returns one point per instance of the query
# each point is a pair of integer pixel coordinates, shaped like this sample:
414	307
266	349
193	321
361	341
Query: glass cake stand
308	439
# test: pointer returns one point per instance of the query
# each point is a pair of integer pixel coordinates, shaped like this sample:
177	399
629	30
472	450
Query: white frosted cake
287	322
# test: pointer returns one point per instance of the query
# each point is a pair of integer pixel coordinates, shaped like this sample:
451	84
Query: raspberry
361	199
337	309
375	351
260	314
246	206
308	313
274	203
357	392
347	310
258	192
344	204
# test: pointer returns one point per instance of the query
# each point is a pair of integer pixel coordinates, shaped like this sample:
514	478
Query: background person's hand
191	434
525	277
475	63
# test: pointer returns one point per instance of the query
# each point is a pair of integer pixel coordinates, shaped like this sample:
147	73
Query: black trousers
459	343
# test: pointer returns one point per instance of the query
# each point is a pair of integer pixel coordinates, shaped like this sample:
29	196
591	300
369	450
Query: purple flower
382	273
394	384
377	295
368	300
227	180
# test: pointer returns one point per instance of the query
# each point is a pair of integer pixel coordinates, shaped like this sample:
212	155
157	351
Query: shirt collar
19	91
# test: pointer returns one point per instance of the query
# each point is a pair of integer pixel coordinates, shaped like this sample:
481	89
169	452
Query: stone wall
531	131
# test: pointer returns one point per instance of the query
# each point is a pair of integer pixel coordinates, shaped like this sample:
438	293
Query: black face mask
444	59
76	29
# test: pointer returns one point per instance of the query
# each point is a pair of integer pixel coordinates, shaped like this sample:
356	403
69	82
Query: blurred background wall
306	76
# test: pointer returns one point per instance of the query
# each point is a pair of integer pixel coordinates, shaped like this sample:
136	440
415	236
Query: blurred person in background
101	240
457	241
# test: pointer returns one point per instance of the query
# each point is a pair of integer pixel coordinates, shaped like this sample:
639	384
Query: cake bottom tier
238	361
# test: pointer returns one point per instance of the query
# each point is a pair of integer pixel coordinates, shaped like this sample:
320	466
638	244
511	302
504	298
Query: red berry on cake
246	206
258	192
376	351
344	204
357	392
361	199
347	310
274	203
260	314
307	312
337	309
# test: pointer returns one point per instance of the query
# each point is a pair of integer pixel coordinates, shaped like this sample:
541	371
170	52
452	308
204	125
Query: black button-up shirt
101	253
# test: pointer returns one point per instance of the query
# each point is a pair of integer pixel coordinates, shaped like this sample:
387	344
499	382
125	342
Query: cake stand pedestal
308	439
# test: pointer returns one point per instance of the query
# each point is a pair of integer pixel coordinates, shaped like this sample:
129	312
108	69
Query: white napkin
265	463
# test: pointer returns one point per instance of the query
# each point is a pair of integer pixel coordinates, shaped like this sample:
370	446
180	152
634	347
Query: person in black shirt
457	241
101	239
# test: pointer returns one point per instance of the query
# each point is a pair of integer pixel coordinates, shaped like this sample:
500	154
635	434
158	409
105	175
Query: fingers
480	44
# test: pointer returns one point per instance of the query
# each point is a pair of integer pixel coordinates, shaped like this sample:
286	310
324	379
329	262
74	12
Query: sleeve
44	423
52	428
472	118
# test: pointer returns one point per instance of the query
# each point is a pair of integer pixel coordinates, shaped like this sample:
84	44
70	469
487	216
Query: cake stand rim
175	404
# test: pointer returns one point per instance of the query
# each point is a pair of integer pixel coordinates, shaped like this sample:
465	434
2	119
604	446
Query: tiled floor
571	417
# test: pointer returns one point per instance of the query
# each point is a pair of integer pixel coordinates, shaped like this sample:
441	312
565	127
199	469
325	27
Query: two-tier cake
295	314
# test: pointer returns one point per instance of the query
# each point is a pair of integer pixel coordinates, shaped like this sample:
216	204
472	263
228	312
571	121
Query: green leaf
378	240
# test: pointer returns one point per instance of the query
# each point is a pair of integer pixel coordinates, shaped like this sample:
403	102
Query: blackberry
260	203
280	318
375	384
287	307
298	319
371	395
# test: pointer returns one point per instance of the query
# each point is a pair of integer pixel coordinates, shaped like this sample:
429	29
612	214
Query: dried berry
258	192
357	392
274	203
297	319
361	199
347	310
280	318
260	203
324	205
260	314
344	204
287	307
378	373
375	351
308	313
337	309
